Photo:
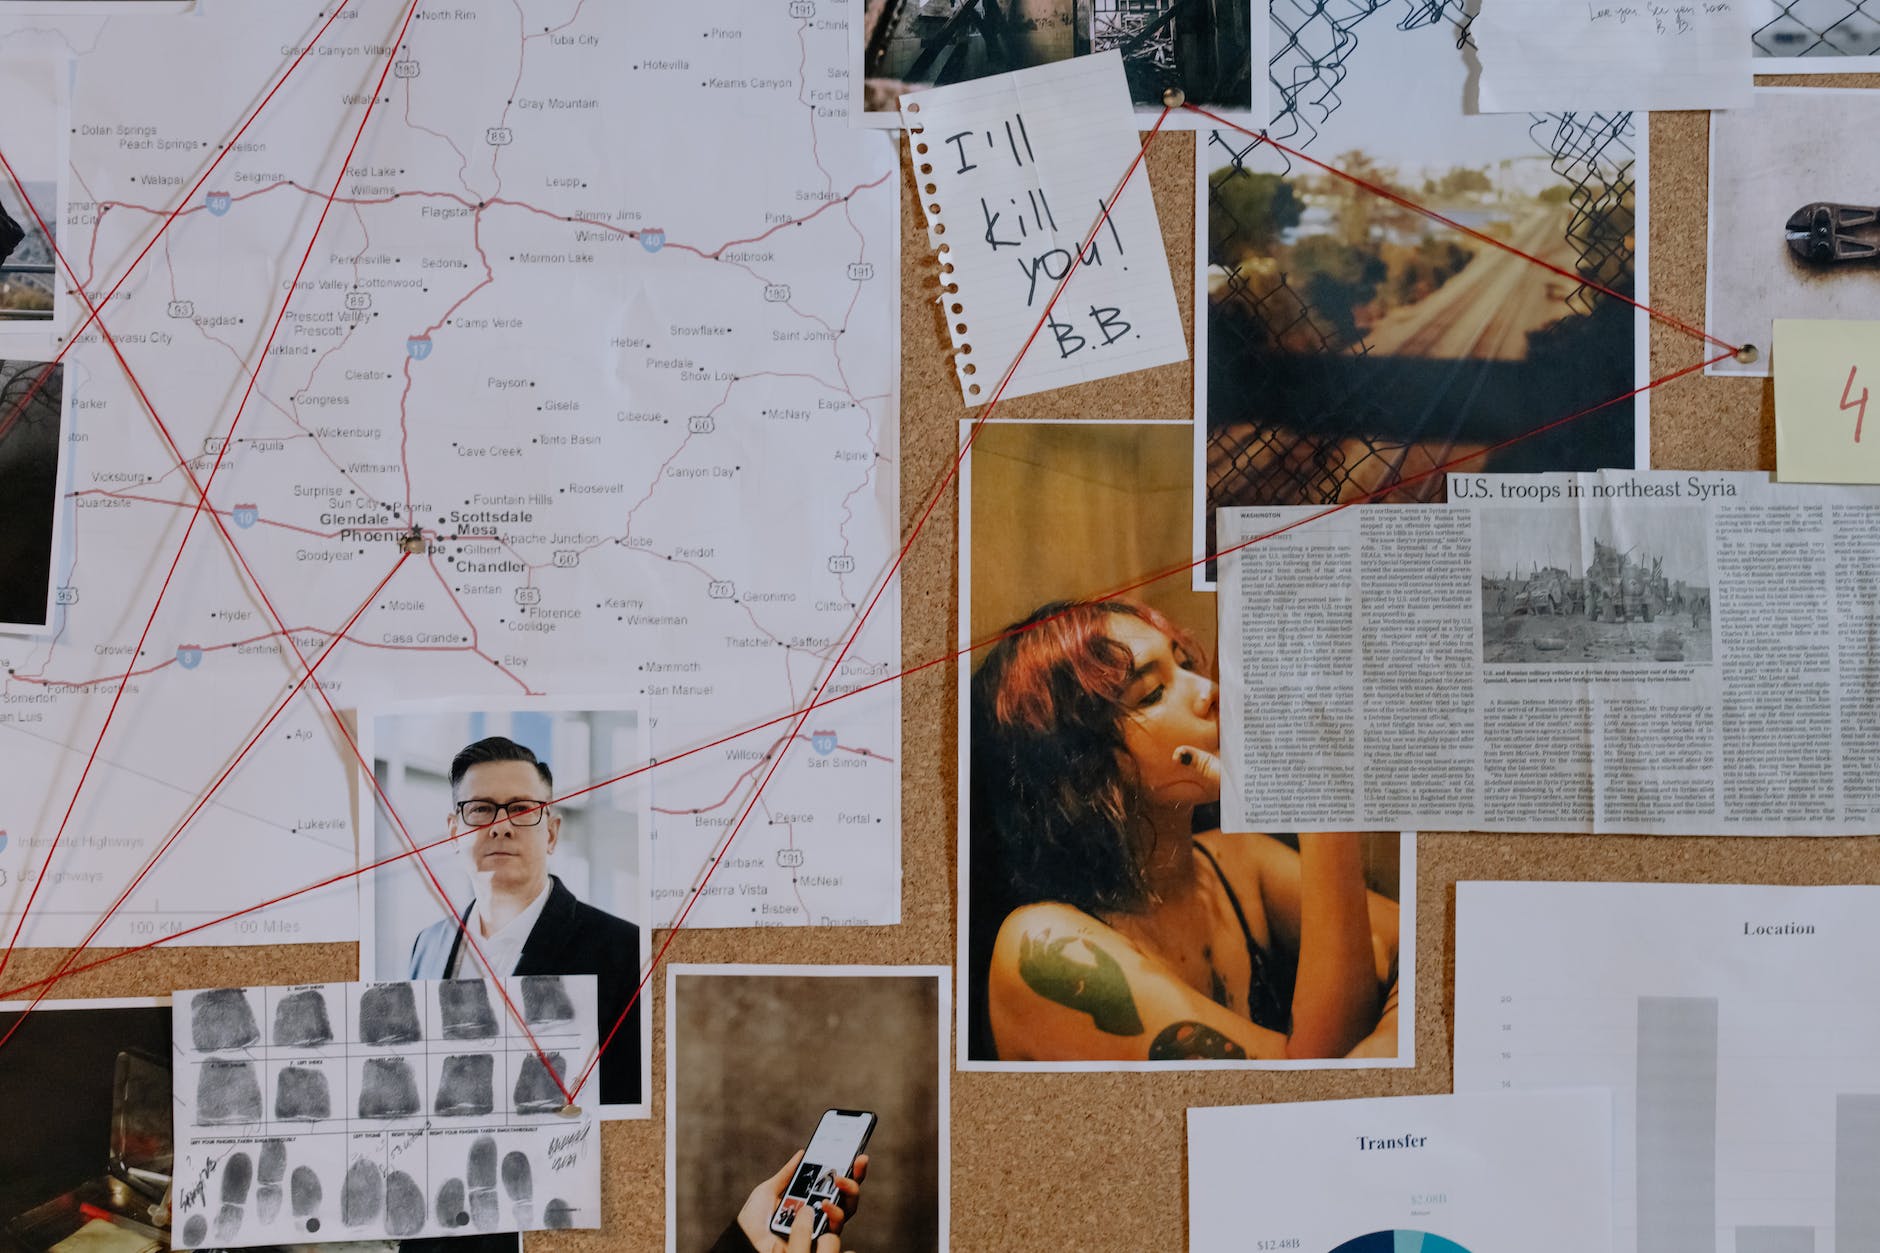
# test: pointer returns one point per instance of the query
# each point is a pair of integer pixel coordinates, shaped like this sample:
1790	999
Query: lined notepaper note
1016	173
1543	56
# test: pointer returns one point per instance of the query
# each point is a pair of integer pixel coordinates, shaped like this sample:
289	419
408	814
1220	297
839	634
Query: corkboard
1091	1161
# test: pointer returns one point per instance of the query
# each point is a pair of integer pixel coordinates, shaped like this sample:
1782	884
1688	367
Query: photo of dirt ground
1606	587
1574	640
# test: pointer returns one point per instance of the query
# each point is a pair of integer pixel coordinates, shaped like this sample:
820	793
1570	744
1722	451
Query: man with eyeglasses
524	919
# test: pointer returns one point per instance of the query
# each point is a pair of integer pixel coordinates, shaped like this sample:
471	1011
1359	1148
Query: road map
643	423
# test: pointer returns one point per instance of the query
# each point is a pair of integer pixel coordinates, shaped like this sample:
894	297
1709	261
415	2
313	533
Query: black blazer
569	938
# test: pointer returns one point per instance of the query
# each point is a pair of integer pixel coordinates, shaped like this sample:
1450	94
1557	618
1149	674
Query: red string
818	701
887	579
1379	189
942	659
201	503
181	204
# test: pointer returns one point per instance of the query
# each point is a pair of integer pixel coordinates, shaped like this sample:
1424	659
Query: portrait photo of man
536	885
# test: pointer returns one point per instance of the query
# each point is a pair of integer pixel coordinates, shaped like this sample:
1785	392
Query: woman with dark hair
1126	929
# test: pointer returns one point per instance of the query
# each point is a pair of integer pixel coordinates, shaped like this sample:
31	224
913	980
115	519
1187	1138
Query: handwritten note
1543	56
1827	401
1018	177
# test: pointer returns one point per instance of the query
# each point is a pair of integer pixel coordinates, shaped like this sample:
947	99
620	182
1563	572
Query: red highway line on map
710	254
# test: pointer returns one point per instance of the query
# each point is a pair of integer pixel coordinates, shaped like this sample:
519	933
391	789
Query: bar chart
1735	1026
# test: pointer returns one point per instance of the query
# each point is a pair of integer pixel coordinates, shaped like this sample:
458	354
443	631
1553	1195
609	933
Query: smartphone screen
840	1136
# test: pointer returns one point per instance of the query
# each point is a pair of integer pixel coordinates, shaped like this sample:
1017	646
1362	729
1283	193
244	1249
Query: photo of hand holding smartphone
830	1156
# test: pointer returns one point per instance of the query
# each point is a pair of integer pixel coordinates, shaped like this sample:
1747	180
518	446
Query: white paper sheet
353	1111
1015	172
1415	1174
1794	148
655	415
1734	1026
1541	56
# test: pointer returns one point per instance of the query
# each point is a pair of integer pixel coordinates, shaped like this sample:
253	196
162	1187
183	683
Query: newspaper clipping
1659	652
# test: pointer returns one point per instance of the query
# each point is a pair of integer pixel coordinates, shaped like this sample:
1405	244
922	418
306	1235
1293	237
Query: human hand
1197	775
754	1217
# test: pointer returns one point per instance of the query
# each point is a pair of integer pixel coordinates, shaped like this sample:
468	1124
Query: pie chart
1400	1242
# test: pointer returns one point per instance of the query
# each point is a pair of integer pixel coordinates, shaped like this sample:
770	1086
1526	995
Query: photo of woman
1108	918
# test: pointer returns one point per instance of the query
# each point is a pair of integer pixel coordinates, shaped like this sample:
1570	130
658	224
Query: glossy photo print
540	858
1214	53
1107	922
806	1094
1353	347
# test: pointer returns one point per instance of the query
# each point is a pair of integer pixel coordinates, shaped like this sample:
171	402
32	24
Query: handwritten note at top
1827	376
1016	173
1541	56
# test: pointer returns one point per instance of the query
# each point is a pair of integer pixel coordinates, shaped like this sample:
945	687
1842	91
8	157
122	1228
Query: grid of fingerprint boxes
355	1111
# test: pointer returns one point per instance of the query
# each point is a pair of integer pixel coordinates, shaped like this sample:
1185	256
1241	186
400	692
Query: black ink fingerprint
304	1194
221	1019
227	1092
300	1020
272	1170
482	1177
195	1231
404	1205
544	999
301	1094
518	1183
536	1089
558	1215
467	1086
465	1010
387	1089
388	1014
363	1194
236	1176
451	1205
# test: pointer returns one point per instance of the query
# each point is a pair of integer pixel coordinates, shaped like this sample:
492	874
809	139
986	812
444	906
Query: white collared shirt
504	947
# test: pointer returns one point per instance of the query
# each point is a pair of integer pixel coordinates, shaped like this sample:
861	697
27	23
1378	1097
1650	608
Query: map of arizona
644	424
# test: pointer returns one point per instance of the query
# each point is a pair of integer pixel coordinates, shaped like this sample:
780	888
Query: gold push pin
1174	98
570	1110
412	541
1747	354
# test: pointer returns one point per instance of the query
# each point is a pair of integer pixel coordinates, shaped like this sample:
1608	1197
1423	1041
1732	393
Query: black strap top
1266	1005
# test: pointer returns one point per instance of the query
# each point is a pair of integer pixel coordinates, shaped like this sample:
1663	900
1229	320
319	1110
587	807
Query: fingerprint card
371	1111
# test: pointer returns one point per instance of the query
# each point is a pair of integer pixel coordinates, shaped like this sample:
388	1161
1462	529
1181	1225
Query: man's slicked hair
495	748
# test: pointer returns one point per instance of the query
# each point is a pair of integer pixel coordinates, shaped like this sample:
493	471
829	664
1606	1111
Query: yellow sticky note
1827	377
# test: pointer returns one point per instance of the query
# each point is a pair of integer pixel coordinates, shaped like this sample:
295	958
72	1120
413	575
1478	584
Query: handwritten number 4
1860	405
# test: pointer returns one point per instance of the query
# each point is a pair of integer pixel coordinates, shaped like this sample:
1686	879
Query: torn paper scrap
1541	56
1018	177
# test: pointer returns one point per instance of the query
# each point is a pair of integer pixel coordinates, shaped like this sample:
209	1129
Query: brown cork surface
1050	1163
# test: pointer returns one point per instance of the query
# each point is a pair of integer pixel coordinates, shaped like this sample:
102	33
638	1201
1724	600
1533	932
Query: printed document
1414	1174
1746	1111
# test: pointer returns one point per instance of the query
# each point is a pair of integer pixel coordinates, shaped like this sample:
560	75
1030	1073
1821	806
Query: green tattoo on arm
1100	990
1190	1041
